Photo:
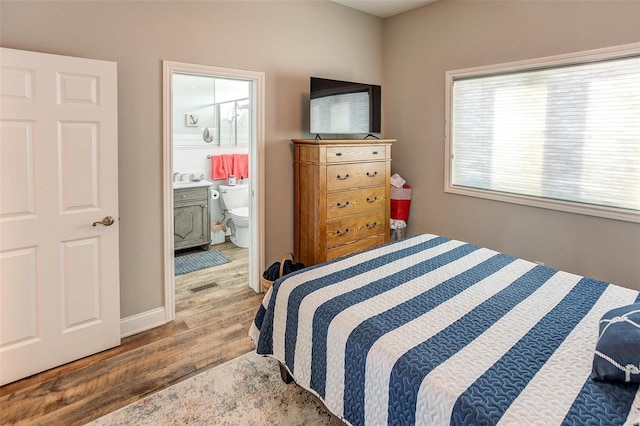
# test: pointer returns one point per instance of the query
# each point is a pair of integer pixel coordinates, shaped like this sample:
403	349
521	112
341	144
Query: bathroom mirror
210	111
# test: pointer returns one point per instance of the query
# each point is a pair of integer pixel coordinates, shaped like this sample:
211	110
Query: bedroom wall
420	46
289	41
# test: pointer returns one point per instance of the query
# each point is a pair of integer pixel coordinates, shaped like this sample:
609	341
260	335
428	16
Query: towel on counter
241	165
221	166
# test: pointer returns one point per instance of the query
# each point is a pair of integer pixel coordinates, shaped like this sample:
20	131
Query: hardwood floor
211	327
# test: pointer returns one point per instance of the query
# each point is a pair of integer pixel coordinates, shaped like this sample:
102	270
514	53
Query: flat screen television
343	107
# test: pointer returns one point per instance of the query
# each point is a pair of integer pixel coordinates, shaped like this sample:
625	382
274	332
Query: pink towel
221	166
217	168
227	159
241	165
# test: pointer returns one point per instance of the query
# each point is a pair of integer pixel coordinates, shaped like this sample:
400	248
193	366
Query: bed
433	331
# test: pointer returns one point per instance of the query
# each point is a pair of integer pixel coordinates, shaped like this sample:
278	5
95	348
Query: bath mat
244	391
197	261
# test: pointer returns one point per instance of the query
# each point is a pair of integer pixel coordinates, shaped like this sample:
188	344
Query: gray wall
420	46
289	41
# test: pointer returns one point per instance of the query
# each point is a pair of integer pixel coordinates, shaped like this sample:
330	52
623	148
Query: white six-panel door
59	275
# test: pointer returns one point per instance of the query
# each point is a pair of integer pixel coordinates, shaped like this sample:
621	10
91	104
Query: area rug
244	391
196	261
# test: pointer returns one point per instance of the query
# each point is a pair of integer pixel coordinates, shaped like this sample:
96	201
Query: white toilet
235	201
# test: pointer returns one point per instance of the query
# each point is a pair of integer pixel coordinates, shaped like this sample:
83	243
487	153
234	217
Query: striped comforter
433	331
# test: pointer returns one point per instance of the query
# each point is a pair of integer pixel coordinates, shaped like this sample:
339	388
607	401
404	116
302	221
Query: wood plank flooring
211	327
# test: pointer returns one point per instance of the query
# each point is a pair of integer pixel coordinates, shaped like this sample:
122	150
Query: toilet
234	199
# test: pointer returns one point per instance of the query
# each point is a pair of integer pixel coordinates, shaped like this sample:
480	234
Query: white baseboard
142	322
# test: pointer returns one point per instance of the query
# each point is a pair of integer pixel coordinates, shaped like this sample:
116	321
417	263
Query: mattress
433	331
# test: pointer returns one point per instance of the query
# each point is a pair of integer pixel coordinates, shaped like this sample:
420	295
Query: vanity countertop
181	185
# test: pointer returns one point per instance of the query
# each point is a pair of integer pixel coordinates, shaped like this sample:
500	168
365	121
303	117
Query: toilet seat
240	216
240	212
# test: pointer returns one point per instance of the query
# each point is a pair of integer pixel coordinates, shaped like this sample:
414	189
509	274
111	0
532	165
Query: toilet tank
233	197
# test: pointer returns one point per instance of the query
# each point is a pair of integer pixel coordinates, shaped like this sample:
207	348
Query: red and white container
400	202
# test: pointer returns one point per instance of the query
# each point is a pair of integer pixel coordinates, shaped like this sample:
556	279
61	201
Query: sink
191	184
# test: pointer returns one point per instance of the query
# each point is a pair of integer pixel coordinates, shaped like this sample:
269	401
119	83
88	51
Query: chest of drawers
342	197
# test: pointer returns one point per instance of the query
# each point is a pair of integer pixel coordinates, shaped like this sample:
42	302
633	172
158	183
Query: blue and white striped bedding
433	331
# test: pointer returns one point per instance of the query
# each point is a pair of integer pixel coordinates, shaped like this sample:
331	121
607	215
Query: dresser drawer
354	247
349	203
188	194
349	229
351	176
342	154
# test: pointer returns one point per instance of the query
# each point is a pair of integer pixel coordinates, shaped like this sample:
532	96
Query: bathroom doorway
212	114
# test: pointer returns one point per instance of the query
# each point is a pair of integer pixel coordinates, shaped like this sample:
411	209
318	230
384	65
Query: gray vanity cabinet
191	218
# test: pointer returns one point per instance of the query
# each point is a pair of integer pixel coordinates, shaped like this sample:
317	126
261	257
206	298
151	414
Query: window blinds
569	133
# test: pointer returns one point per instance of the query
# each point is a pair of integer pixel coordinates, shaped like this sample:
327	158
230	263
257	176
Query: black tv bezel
332	87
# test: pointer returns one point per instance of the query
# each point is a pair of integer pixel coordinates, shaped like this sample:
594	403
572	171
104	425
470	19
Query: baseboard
142	322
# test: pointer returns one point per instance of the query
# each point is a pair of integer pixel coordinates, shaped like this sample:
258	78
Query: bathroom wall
221	105
201	102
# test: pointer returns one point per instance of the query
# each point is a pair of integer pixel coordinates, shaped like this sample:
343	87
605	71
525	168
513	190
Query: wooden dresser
341	197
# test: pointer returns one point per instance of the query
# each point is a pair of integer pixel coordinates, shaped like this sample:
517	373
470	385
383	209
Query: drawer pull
375	152
342	205
372	226
345	177
338	154
345	232
372	200
374	174
184	196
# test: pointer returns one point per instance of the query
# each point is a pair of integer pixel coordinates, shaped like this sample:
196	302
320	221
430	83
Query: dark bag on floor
280	269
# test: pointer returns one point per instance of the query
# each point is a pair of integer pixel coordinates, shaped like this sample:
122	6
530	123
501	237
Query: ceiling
383	8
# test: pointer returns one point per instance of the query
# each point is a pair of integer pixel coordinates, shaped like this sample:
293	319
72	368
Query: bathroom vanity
191	215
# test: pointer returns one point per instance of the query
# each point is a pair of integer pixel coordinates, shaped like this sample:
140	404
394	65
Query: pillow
617	355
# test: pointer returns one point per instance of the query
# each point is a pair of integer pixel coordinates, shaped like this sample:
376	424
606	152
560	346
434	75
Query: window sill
597	211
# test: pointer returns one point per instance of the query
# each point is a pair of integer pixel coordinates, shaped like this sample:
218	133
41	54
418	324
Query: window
560	133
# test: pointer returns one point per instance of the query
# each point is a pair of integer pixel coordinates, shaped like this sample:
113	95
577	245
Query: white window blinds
568	133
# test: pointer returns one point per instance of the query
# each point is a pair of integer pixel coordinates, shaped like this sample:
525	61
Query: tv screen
343	107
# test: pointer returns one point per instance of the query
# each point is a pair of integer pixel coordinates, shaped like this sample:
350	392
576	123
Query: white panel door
59	273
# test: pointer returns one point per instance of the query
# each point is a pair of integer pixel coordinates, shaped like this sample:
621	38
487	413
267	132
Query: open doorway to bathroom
213	168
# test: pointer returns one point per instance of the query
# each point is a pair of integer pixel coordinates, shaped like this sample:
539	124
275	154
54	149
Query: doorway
213	136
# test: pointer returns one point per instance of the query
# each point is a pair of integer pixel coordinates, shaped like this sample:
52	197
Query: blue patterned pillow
617	356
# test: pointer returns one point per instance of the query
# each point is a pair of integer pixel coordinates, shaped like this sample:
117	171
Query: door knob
107	221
